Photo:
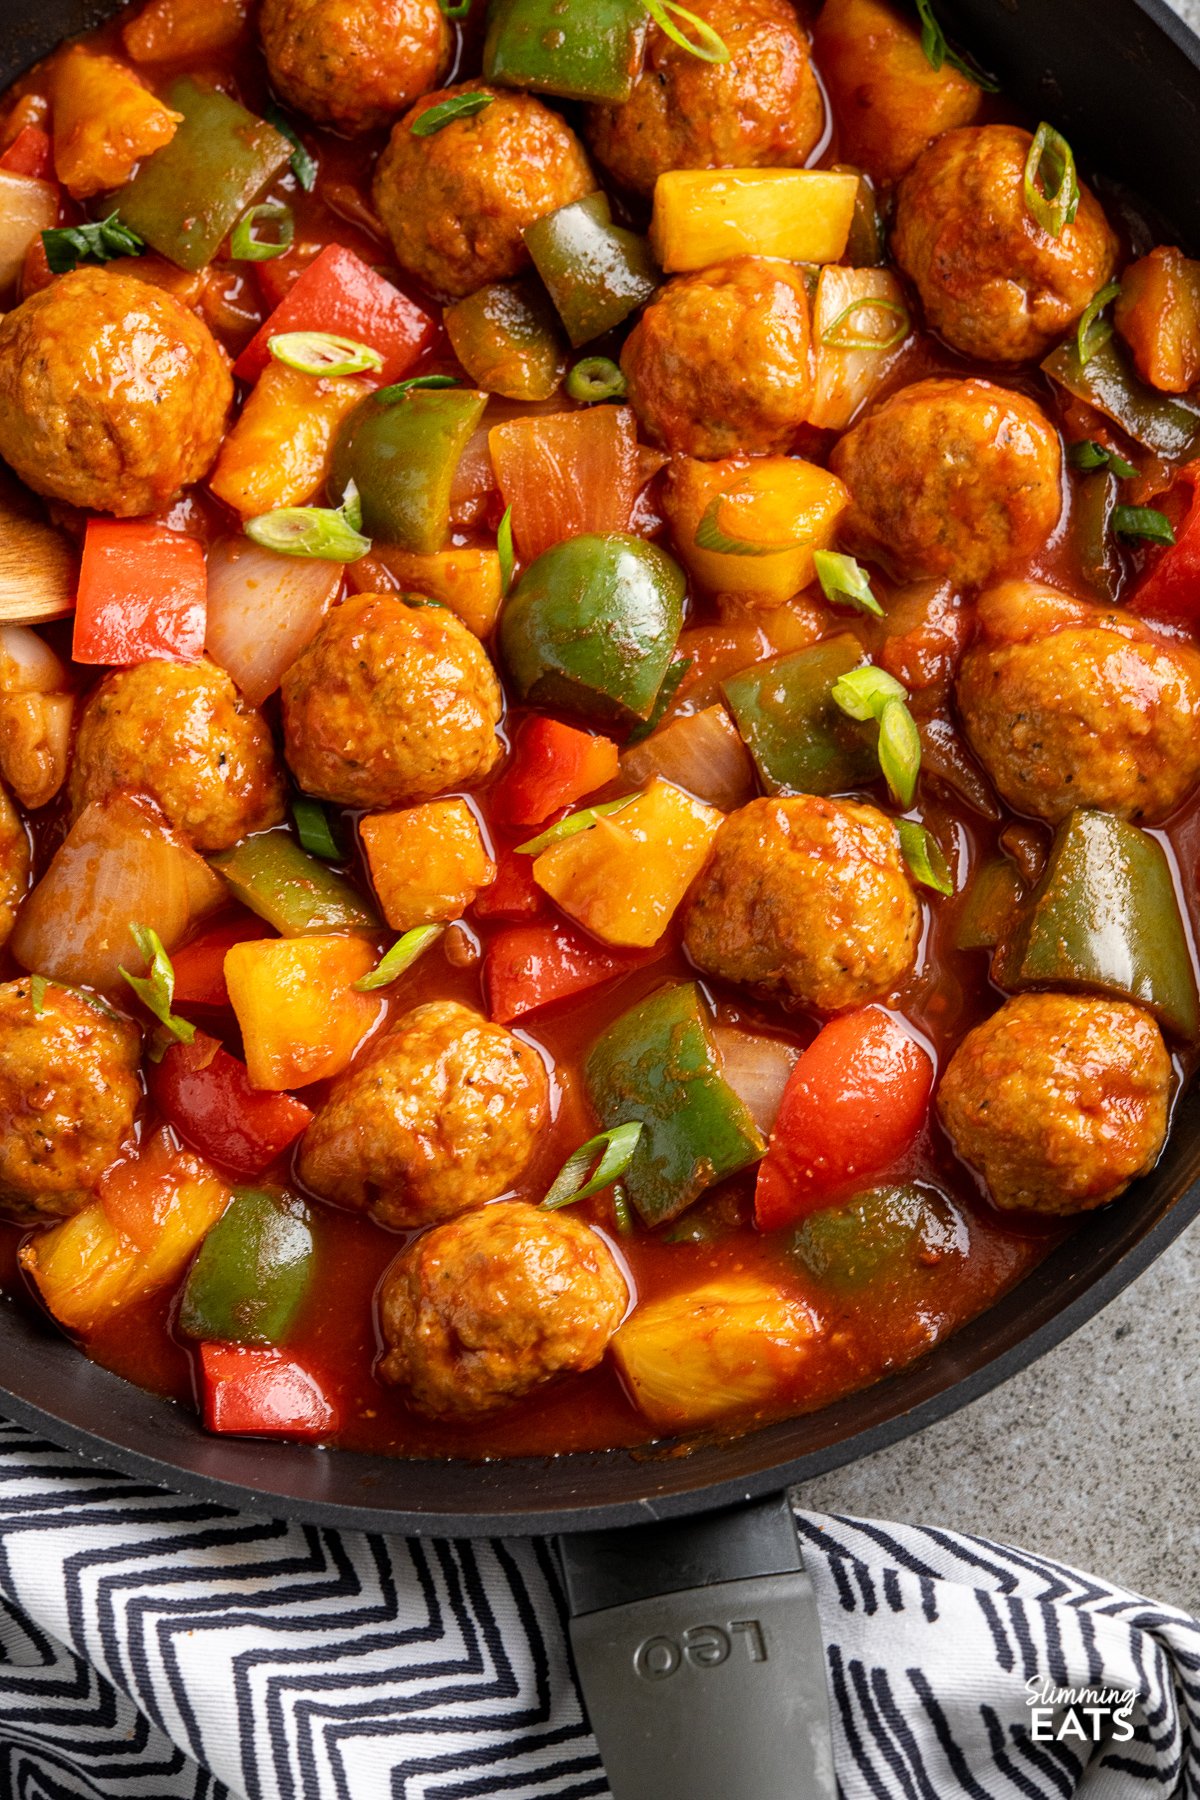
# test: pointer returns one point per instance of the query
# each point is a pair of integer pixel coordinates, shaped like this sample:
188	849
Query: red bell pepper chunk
200	966
262	1393
531	965
552	766
30	153
514	894
143	594
854	1103
205	1093
340	293
1170	590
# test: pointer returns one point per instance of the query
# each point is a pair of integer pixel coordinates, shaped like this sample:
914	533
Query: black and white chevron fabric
154	1648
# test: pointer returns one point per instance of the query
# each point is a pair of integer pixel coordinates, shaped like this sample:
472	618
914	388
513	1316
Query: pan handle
699	1653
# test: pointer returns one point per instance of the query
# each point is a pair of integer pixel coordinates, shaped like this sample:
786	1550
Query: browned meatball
719	364
442	1114
888	100
1068	705
456	203
112	394
807	897
14	865
390	703
181	733
68	1093
761	109
481	1311
354	63
1058	1101
993	281
958	478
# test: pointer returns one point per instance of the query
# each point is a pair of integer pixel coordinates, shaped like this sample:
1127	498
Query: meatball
481	1311
456	203
761	109
354	63
14	865
1094	711
1058	1100
888	100
992	281
719	364
806	897
112	395
442	1114
68	1093
957	478
390	703
181	733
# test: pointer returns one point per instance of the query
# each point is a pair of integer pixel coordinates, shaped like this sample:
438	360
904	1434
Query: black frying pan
682	1682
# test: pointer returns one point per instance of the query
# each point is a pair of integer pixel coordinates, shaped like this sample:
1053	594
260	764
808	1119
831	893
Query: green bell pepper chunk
800	739
595	272
1105	915
291	890
990	905
186	198
886	1234
577	49
1164	423
591	627
252	1271
401	448
506	336
660	1064
1099	557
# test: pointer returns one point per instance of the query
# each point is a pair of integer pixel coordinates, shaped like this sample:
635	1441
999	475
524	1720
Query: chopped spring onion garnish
331	534
871	693
937	51
844	582
572	825
156	990
1142	522
596	378
389	395
834	338
924	856
711	536
313	828
37	994
1091	455
303	162
245	247
68	245
321	353
708	44
1051	184
454	9
1095	331
615	1150
402	955
40	984
666	693
459	106
505	551
622	1211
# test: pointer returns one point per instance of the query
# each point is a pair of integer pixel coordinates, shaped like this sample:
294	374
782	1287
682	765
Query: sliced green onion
615	1150
863	693
871	693
313	828
39	986
1093	331
303	162
924	856
504	548
830	338
321	353
622	1211
351	508
454	9
1089	455
100	242
1051	183
402	955
1142	522
710	47
37	994
156	990
937	51
666	693
245	247
327	533
596	378
844	582
459	106
572	825
398	389
710	536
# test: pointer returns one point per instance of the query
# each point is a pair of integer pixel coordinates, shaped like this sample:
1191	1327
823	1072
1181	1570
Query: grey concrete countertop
1090	1456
